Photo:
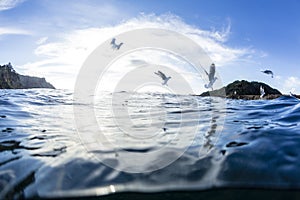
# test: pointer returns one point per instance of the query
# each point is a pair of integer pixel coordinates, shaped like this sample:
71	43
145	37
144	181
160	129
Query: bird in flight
269	72
211	76
114	45
163	77
262	92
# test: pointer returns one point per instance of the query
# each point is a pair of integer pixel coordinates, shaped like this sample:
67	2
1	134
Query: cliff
10	79
244	90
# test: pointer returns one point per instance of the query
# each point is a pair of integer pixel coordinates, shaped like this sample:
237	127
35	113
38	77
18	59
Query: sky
52	38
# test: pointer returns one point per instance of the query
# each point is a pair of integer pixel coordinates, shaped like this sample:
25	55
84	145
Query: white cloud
223	34
9	4
42	40
60	61
15	31
292	84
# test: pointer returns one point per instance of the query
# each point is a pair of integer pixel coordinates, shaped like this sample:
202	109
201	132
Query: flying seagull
262	92
269	72
114	45
163	77
211	76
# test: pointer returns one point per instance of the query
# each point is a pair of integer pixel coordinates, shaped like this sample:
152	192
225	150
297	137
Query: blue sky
47	37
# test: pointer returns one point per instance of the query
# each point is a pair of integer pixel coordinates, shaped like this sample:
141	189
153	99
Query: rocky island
244	90
10	79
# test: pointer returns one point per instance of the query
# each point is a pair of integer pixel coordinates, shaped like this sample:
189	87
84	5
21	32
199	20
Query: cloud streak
13	31
9	4
42	40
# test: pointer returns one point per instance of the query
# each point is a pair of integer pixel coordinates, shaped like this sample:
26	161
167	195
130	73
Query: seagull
211	76
114	45
163	77
269	72
262	92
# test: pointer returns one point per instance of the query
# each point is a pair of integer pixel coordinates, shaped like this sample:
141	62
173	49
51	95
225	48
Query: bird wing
161	75
268	72
262	90
212	71
119	45
113	41
205	72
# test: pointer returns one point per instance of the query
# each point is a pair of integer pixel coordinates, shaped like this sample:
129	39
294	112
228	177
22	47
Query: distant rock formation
10	79
244	90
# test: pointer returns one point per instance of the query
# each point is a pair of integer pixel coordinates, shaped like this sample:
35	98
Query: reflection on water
216	143
209	144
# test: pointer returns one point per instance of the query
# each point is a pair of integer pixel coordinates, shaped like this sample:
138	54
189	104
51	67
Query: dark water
181	146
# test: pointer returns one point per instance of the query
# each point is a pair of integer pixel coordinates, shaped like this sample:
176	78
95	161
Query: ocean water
156	145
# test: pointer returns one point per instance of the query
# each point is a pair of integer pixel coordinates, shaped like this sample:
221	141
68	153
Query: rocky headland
244	90
10	79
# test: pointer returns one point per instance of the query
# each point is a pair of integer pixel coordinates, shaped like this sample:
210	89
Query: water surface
214	143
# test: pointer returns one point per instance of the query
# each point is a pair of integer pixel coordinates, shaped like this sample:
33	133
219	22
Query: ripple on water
40	152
